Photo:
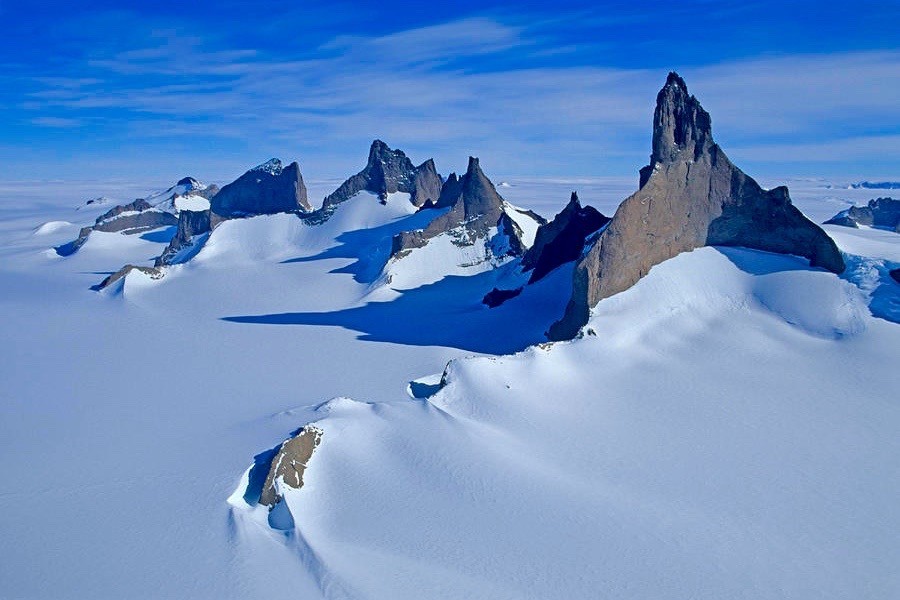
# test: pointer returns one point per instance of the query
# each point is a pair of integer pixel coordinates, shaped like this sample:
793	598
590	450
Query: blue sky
102	89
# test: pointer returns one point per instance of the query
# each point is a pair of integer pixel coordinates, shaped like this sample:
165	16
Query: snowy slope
730	430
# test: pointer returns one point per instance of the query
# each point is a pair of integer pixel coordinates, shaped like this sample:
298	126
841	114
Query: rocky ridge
474	208
386	172
880	212
690	196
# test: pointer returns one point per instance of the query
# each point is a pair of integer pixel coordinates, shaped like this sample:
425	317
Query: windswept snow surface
729	431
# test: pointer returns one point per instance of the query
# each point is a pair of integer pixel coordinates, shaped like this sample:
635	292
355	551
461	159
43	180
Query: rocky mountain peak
189	182
388	171
691	195
266	189
680	124
272	166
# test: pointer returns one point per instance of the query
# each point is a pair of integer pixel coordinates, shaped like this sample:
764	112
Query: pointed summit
474	204
562	239
386	172
690	196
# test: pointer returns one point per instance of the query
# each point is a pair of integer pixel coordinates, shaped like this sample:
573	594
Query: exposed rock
132	218
876	185
563	239
691	195
496	296
190	223
263	190
880	212
153	272
895	274
475	207
289	465
386	172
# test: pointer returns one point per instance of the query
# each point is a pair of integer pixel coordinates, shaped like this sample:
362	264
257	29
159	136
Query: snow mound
51	227
191	202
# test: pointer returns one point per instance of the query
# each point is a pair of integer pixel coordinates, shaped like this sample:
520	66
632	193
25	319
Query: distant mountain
690	196
387	172
266	189
880	212
876	185
157	210
475	208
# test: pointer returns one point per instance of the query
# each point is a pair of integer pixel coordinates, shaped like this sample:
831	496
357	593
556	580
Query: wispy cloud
443	89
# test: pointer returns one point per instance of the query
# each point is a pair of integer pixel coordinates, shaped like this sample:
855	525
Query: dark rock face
474	203
691	195
388	171
151	271
132	218
895	274
264	190
496	296
289	464
562	240
880	212
190	223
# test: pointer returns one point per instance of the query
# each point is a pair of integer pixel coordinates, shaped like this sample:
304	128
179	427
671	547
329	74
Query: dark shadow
160	236
447	313
420	390
872	276
256	479
371	247
760	262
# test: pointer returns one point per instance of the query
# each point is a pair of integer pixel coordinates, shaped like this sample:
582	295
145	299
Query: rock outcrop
563	239
132	218
267	189
386	172
289	465
475	208
690	196
880	212
190	224
895	275
153	272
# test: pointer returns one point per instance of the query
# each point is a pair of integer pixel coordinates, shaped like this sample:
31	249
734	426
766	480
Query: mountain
159	209
475	208
690	196
876	185
387	172
266	189
562	240
880	212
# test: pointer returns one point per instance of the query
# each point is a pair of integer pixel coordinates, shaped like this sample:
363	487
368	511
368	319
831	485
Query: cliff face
474	203
690	196
266	189
386	172
562	240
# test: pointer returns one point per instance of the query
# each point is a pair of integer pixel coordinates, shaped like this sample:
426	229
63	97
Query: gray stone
691	195
264	190
474	205
880	212
563	239
289	464
151	271
190	223
386	172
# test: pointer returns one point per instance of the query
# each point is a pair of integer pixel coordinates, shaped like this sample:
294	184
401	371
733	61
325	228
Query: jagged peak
573	200
679	123
272	166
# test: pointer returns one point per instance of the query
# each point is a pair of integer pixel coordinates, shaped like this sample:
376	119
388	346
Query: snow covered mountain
276	400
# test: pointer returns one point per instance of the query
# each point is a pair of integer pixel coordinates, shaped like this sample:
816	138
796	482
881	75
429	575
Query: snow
728	432
191	202
52	227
